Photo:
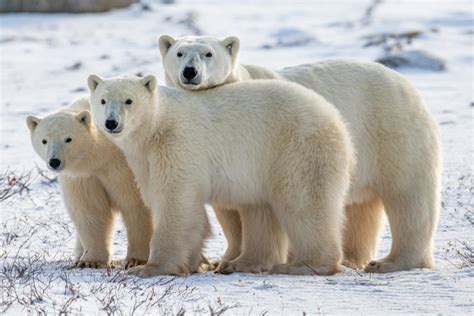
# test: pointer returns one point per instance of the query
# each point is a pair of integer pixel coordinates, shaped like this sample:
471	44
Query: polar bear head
198	62
119	103
61	139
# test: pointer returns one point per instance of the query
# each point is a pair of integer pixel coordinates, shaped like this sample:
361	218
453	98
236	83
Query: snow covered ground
45	60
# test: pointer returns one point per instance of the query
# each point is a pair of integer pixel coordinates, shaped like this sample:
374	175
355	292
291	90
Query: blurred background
72	6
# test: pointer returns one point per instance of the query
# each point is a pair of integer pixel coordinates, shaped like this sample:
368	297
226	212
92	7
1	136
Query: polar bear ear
84	117
93	81
232	44
32	122
165	42
149	82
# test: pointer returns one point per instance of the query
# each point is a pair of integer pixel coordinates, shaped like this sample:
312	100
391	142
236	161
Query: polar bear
96	184
238	146
395	138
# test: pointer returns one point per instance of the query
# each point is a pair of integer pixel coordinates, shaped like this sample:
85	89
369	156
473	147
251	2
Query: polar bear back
273	103
80	104
379	107
236	133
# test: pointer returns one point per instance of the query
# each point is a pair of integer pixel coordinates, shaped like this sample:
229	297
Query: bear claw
132	262
352	265
229	267
378	267
388	265
92	265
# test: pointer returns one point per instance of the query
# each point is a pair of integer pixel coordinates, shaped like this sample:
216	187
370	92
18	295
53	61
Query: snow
45	60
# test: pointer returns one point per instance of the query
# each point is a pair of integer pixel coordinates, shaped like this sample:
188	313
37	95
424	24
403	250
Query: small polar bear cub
96	184
398	169
239	146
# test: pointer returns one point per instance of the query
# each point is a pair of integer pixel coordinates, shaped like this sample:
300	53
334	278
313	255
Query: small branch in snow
462	250
12	183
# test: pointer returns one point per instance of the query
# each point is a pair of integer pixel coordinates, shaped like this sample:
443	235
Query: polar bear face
61	139
198	62
118	103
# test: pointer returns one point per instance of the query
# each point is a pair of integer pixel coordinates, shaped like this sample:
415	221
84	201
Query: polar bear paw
228	267
383	266
92	265
143	271
213	265
151	270
353	265
128	263
387	265
205	267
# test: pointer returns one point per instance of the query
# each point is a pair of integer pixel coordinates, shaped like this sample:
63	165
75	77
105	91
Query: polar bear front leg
139	225
78	252
78	249
231	225
264	242
93	218
181	226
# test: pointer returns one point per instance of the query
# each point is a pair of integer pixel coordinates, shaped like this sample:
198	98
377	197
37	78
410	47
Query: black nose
54	163
189	73
111	124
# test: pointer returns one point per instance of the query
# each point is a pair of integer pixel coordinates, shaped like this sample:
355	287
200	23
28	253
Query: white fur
96	184
194	50
266	146
396	142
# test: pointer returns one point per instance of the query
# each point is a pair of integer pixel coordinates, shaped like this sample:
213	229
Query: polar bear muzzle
113	118
111	125
189	73
54	163
190	76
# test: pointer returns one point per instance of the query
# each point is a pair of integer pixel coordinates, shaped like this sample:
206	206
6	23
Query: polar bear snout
113	118
189	73
54	163
190	76
111	125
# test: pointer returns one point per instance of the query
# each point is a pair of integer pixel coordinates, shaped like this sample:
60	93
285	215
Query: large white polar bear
239	146
395	138
96	184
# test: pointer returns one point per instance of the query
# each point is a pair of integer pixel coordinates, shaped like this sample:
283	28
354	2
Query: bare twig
369	12
462	250
46	179
12	183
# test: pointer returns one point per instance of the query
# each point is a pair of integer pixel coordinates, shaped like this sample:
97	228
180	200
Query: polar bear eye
209	55
179	54
129	101
44	141
102	101
68	140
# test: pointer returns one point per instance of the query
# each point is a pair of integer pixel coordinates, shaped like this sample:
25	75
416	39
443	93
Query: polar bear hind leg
308	199
263	245
232	229
364	222
412	216
316	246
